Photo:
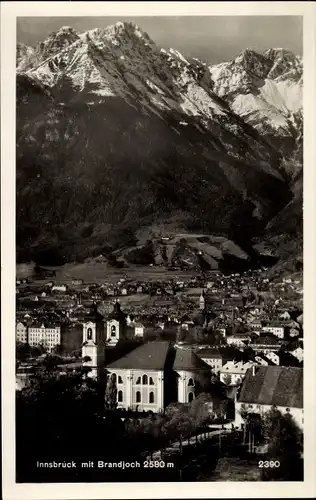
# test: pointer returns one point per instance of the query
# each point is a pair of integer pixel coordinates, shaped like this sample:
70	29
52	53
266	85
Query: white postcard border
11	490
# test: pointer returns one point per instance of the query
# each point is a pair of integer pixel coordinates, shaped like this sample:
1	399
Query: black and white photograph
159	316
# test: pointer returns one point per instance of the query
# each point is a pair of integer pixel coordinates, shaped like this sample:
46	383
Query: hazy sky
211	38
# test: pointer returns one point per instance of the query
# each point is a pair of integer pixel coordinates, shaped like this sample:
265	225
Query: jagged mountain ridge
266	91
114	130
34	56
121	61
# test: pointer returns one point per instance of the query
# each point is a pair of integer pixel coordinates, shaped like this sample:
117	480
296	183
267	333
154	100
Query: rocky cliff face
23	52
266	91
55	43
113	132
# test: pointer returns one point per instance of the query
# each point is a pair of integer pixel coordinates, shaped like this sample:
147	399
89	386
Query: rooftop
238	367
266	341
209	353
240	335
273	385
215	352
149	356
188	360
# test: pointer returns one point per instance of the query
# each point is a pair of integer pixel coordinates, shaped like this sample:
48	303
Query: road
192	440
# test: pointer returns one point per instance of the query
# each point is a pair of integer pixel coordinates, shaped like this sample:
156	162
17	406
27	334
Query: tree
25	351
111	393
285	444
59	416
228	379
180	425
200	409
86	359
56	349
22	351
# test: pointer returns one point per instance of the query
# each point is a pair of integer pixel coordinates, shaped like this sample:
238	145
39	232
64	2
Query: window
113	377
151	381
145	380
138	397
120	380
191	382
113	331
138	380
120	396
151	397
190	396
89	334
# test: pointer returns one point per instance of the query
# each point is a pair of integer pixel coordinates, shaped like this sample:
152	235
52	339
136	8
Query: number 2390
269	464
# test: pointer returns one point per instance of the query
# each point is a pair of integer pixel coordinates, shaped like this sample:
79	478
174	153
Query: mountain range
117	137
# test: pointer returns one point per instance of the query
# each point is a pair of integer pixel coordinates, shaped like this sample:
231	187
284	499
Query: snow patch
154	87
178	55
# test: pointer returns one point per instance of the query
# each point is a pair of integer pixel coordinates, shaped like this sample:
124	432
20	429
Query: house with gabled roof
232	372
265	344
215	357
268	386
296	348
239	339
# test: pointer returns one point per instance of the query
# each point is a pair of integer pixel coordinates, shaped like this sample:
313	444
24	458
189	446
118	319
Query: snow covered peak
122	35
121	60
283	62
178	55
66	34
122	30
129	27
264	89
245	55
277	52
67	29
60	39
253	62
55	43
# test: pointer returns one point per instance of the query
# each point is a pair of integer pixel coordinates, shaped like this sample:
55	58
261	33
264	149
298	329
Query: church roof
273	385
188	360
149	356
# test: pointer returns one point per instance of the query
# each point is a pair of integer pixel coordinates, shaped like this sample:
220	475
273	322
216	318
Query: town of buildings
239	328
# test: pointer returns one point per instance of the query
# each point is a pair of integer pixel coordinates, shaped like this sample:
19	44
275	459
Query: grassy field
96	272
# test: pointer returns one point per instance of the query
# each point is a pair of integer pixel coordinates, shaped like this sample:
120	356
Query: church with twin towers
149	377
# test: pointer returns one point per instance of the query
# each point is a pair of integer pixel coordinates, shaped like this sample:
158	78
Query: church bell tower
93	345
